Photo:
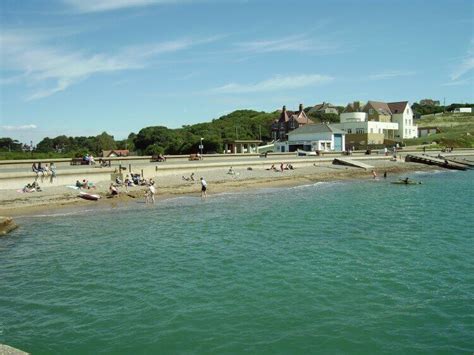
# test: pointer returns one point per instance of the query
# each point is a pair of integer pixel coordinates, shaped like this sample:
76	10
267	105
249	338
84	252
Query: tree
10	145
104	141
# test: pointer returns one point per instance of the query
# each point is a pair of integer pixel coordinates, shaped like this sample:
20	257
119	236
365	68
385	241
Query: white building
463	110
403	115
358	128
312	137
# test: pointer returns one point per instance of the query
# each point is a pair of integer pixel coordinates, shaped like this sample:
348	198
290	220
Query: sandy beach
53	197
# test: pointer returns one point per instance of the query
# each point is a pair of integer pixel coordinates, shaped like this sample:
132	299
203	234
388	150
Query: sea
361	266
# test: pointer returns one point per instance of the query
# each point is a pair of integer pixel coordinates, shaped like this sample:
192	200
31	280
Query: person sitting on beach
34	168
46	169
192	177
231	171
272	167
79	184
28	188
185	178
36	186
113	189
91	160
136	179
118	181
289	166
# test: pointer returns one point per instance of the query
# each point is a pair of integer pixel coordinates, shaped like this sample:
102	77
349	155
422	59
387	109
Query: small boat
88	196
409	182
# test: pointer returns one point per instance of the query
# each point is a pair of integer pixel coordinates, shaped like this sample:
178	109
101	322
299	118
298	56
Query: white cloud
19	128
458	82
390	74
50	70
85	6
276	83
295	43
466	65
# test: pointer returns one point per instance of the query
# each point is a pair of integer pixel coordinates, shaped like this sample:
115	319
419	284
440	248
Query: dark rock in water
7	225
8	350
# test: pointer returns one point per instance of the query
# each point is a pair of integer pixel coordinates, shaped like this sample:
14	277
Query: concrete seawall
16	180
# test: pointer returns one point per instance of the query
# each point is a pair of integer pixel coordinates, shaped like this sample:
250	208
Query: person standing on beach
53	172
203	189
150	193
374	174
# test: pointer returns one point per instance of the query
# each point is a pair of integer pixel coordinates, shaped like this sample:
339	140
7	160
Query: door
338	142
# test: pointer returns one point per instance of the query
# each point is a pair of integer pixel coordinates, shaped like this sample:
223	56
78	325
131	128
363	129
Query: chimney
283	109
301	107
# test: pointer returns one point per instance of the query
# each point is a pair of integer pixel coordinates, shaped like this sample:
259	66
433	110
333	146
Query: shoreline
60	198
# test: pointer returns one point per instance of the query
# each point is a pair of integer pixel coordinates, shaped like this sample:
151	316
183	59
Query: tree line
240	124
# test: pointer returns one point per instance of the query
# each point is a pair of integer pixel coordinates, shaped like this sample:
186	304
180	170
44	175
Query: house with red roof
115	153
289	121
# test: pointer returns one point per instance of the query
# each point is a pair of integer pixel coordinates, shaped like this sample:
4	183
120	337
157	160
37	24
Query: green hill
240	124
456	130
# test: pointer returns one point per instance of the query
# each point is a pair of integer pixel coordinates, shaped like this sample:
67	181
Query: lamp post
201	146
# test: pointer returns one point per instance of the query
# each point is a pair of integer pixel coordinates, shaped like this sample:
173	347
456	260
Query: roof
322	106
317	128
397	107
118	152
380	107
354	107
301	118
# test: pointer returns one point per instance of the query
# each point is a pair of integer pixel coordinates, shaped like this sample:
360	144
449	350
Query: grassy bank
456	130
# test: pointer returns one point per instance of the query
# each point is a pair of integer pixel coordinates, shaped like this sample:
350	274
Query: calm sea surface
345	267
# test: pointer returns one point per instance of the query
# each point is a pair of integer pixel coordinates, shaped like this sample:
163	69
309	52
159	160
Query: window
349	131
408	110
359	130
371	111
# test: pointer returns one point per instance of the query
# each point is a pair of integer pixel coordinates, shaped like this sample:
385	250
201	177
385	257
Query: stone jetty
7	224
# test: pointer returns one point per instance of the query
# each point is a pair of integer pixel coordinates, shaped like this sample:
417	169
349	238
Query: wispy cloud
85	6
279	82
50	70
458	82
466	65
391	74
19	128
295	43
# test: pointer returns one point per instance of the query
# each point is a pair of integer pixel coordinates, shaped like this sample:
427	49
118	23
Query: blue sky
80	67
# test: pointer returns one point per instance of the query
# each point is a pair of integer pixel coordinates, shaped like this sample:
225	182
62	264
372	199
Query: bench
158	158
194	157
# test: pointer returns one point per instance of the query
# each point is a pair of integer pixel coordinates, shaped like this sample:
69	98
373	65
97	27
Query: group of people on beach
33	187
282	167
190	178
43	171
85	184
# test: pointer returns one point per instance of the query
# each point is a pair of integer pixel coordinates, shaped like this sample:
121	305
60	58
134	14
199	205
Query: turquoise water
345	267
